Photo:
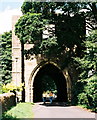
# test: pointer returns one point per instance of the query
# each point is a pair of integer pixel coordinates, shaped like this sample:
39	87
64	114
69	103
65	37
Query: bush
8	117
91	90
82	99
88	97
11	87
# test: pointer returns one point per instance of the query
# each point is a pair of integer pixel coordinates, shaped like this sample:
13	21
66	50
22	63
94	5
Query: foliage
5	57
11	87
69	20
47	46
91	90
48	8
19	111
82	97
29	28
48	84
88	96
8	117
68	30
87	65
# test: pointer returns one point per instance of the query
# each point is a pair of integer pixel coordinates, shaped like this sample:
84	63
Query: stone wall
7	100
16	54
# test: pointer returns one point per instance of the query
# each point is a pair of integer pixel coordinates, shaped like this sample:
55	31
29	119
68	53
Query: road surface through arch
57	111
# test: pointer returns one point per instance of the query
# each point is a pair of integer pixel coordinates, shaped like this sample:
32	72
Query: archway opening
49	77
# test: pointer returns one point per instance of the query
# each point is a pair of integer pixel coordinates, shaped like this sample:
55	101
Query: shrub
88	97
82	99
11	87
8	117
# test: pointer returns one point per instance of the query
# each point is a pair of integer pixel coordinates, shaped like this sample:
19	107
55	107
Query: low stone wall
7	100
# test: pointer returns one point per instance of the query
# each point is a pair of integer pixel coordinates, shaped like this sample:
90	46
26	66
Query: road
57	111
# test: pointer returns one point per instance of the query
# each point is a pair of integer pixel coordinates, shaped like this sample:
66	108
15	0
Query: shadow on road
61	104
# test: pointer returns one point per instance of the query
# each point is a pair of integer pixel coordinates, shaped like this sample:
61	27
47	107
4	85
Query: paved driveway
56	111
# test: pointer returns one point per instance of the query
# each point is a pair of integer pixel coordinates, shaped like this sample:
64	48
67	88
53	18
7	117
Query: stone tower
35	68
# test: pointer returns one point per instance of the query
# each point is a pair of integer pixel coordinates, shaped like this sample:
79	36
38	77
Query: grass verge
21	110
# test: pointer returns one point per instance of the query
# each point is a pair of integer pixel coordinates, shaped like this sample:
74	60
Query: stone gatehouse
37	67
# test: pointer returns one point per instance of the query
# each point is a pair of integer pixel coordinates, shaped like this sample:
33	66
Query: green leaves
29	28
67	32
6	58
11	87
89	60
87	95
49	44
48	84
26	7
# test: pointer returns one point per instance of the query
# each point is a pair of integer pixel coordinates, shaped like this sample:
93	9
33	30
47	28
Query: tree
88	63
68	30
87	66
6	57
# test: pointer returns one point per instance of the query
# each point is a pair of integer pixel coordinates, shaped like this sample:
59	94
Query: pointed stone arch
36	71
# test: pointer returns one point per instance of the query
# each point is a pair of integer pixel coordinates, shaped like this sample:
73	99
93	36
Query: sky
8	8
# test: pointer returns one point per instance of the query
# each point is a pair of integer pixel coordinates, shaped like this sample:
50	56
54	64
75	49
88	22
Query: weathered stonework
16	54
31	67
